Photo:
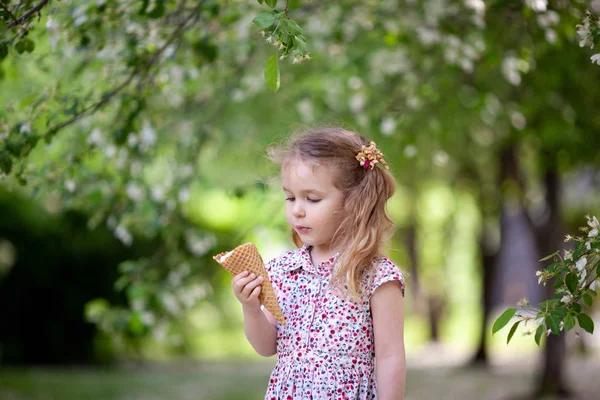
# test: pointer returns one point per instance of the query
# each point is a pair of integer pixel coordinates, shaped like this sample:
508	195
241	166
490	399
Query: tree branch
8	11
25	17
112	93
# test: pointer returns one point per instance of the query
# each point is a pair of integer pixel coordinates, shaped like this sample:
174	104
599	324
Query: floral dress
326	350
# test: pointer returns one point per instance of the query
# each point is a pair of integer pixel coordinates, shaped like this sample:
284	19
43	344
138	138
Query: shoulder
382	270
283	261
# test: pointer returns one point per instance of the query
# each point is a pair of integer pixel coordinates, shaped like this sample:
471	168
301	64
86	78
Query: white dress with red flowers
326	349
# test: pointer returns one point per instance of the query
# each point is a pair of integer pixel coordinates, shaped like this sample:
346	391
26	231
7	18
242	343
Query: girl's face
313	204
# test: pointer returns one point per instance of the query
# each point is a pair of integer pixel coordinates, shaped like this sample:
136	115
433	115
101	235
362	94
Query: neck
320	254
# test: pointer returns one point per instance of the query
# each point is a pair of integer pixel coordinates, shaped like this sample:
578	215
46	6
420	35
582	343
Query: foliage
130	111
577	277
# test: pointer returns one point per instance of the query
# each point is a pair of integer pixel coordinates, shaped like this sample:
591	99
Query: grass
435	373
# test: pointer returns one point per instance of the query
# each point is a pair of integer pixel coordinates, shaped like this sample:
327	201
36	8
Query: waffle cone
247	258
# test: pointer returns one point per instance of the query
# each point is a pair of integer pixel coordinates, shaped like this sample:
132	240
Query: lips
301	229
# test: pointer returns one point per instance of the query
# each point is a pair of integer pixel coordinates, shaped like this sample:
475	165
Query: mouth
301	229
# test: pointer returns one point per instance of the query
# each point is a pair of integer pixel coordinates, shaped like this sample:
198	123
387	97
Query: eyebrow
305	191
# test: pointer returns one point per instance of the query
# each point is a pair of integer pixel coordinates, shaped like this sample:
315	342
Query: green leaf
3	51
550	256
271	3
272	72
598	271
5	162
569	322
587	299
548	304
294	28
503	319
20	47
554	323
560	312
29	45
95	309
553	267
586	322
571	282
512	331
158	11
136	326
3	27
260	2
264	20
539	332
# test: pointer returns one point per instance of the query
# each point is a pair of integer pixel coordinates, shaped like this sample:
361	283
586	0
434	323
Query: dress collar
303	261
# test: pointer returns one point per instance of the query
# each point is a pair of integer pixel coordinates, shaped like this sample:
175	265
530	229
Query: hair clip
371	155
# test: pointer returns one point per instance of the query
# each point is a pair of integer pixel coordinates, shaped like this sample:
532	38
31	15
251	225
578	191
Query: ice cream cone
247	258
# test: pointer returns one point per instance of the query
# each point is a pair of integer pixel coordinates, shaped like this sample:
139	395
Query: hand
246	288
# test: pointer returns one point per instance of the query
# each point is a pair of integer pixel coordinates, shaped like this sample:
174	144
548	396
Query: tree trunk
549	238
488	265
411	245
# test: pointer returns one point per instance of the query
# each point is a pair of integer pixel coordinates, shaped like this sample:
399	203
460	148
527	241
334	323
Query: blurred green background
133	142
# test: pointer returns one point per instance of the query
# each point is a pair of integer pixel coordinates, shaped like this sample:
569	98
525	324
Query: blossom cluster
589	34
577	274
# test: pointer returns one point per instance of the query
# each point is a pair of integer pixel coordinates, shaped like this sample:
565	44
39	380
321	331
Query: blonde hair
365	224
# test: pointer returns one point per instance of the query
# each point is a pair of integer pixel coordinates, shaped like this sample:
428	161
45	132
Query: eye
314	200
289	199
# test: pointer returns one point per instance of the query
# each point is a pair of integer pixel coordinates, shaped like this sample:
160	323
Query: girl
342	300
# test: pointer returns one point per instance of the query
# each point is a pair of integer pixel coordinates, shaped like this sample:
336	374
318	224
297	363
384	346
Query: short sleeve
384	270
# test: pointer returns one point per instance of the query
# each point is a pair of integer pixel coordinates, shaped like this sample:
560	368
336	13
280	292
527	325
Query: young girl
342	300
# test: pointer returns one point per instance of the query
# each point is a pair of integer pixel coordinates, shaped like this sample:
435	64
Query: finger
240	276
242	281
255	293
250	286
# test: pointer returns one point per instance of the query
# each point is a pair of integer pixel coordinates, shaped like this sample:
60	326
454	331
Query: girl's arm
259	330
387	310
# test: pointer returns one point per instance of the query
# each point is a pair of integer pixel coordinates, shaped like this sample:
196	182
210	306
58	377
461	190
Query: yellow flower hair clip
370	155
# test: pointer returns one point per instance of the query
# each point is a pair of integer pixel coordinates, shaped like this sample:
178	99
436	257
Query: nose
298	209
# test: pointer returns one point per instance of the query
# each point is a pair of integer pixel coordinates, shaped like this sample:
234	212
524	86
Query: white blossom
551	36
595	59
581	263
582	277
518	120
510	70
95	137
110	151
134	191
132	140
183	195
388	126
147	137
539	321
568	255
566	298
595	284
158	194
410	151
123	235
355	83
70	185
357	102
538	5
585	33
